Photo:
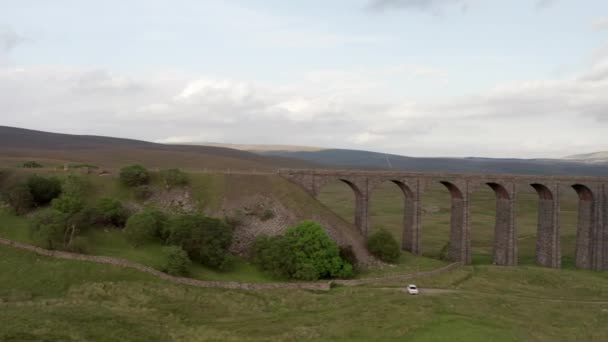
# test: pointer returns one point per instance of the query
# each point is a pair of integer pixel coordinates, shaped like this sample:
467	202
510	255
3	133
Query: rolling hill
18	144
374	160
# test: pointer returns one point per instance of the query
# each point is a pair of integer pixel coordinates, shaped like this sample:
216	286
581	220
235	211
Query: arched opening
393	208
526	220
482	223
548	250
435	209
337	195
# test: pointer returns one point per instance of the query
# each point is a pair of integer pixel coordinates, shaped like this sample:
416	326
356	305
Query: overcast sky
500	78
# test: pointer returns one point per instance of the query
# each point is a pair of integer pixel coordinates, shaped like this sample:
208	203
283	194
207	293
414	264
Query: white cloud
600	24
538	118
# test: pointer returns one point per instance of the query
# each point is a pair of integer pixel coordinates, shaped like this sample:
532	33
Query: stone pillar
548	251
587	243
460	237
411	219
362	211
505	235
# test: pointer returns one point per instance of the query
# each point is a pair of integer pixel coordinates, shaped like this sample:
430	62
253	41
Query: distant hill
374	160
596	157
19	144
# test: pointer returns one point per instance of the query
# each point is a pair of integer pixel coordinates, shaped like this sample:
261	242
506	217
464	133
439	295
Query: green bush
31	164
273	254
43	189
68	204
177	261
305	252
47	229
20	199
205	239
144	227
134	175
383	245
173	177
74	186
111	212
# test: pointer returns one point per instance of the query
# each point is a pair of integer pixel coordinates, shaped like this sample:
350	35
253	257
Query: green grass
386	210
48	299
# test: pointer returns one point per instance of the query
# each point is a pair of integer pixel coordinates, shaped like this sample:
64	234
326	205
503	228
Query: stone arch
505	237
361	198
410	237
460	240
548	250
588	252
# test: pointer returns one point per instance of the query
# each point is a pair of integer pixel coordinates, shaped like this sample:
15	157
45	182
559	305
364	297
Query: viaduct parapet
592	230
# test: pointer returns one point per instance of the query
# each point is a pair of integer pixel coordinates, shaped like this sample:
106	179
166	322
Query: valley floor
43	298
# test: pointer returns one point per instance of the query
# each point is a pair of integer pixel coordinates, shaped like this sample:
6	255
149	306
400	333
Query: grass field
386	209
58	300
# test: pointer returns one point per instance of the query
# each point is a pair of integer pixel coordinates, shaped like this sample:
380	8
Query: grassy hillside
54	149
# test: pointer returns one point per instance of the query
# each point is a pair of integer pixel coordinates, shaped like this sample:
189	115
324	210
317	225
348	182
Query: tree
205	239
144	227
314	248
273	254
134	175
20	198
383	245
74	186
68	204
111	212
177	261
305	252
43	189
47	229
173	177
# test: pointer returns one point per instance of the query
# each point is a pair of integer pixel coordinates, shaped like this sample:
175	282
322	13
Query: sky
456	78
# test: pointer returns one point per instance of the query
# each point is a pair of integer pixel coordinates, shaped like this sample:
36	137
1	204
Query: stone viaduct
592	230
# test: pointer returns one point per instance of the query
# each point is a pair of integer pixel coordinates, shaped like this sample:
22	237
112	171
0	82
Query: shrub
20	198
111	212
173	177
205	239
305	252
383	245
43	189
47	229
68	204
134	175
177	261
144	227
31	164
74	186
274	255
